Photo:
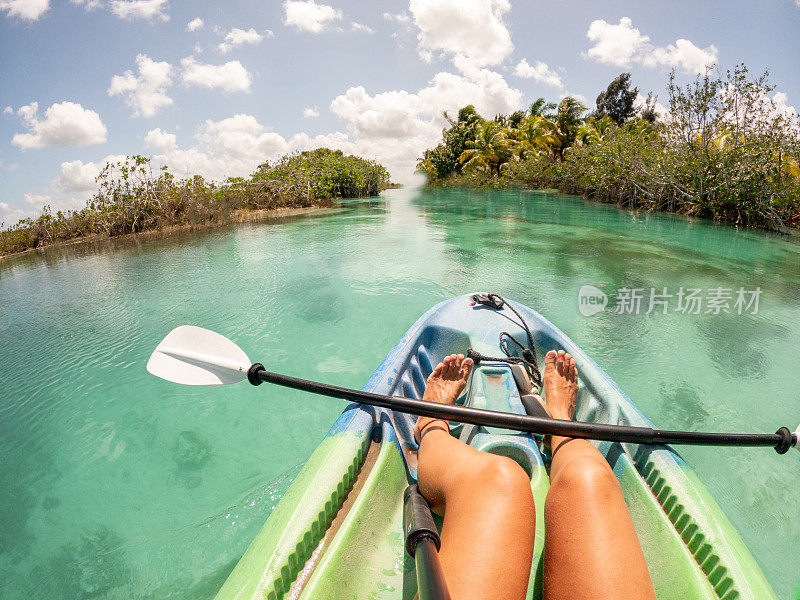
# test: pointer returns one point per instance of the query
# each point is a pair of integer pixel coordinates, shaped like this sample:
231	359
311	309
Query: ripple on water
101	459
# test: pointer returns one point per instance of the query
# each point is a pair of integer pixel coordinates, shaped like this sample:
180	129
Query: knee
587	474
503	477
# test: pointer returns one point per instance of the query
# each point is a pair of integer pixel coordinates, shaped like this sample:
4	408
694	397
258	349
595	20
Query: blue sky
84	81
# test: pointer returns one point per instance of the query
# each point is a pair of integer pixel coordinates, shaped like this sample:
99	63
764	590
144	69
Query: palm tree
593	130
540	107
534	135
568	121
490	150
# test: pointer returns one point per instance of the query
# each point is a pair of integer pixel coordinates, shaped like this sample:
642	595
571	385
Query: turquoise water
114	484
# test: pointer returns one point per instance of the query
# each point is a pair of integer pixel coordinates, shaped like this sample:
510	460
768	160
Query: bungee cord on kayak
528	358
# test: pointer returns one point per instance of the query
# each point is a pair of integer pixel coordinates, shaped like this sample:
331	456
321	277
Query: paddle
196	356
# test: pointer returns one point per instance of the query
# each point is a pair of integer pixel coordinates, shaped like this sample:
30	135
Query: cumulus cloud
394	127
146	92
781	104
140	9
230	77
236	37
8	110
64	124
37	199
160	141
25	9
76	176
474	28
195	24
11	214
310	113
241	137
307	15
227	148
683	54
623	44
539	72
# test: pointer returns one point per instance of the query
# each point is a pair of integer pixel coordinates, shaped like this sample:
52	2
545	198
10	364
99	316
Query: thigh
591	546
489	518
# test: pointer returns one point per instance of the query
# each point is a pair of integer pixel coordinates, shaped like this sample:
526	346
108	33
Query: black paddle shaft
781	440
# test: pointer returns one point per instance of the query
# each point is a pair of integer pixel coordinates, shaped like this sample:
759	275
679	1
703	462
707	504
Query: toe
550	360
448	366
458	360
466	368
437	372
573	370
560	365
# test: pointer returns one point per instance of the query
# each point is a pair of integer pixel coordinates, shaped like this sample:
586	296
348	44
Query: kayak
338	530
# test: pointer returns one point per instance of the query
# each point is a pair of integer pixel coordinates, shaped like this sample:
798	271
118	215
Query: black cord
528	354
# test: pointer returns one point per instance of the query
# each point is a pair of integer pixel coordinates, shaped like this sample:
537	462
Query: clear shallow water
115	484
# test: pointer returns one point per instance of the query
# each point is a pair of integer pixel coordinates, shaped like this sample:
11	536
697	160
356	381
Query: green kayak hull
337	533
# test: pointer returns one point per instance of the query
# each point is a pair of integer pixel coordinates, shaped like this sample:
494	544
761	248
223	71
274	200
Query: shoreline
792	233
236	218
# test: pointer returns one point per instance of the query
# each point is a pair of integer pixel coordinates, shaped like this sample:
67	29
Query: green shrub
132	197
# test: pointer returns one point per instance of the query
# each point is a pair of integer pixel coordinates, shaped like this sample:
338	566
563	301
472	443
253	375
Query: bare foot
444	385
560	384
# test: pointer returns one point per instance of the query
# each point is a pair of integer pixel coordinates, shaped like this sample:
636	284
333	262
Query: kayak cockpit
338	530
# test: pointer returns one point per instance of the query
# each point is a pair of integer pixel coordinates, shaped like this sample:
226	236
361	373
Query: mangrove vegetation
133	196
721	149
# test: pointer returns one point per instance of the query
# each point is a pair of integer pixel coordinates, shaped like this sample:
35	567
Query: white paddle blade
797	437
196	356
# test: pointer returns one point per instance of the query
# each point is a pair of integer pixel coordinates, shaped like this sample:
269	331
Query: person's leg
486	502
591	548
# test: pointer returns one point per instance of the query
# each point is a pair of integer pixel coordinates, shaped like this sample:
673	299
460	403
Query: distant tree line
132	196
720	149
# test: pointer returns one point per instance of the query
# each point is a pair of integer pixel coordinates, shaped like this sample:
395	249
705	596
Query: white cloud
11	214
474	28
242	137
230	77
402	17
385	115
88	4
37	199
8	110
25	9
195	24
622	45
227	148
540	73
64	124
236	37
615	44
310	113
781	104
78	177
307	15
361	27
146	92
140	9
160	141
394	127
683	54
